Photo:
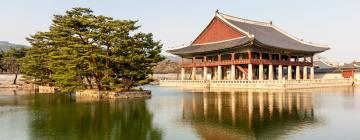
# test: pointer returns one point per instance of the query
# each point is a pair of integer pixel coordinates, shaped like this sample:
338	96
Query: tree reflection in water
64	118
248	114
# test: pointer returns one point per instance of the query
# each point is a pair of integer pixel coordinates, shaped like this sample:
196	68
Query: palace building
232	48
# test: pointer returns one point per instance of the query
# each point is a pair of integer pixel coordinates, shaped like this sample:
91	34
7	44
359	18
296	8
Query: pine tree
82	49
11	60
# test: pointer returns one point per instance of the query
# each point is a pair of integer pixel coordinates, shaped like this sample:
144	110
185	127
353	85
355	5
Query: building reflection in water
249	114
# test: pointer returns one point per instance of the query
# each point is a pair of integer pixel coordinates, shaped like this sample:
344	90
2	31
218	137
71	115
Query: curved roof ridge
298	39
261	23
218	14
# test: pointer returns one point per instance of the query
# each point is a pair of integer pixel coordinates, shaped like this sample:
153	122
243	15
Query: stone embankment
114	95
6	81
101	94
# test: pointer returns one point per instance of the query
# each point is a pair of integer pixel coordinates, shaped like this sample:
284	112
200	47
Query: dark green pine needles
83	51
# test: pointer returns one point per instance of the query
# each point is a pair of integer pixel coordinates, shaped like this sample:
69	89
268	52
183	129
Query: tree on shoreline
10	61
82	49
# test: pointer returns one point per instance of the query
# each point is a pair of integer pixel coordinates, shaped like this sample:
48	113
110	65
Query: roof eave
262	44
220	15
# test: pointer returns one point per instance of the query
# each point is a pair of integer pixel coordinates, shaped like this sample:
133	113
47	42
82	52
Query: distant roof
353	66
357	64
321	64
262	32
347	66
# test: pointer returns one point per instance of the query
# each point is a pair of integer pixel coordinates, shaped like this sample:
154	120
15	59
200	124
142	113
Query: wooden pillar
280	72
261	72
297	72
232	72
205	73
232	76
271	68
250	72
182	69
215	73
182	73
280	69
305	73
219	73
289	73
271	72
279	57
261	68
193	73
312	69
232	57
312	73
205	69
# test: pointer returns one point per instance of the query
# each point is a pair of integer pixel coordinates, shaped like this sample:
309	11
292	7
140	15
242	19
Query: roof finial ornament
217	11
251	35
271	22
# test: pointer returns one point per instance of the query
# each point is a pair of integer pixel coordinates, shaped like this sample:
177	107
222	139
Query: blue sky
175	22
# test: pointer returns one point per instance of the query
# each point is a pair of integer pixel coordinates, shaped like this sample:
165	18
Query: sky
335	23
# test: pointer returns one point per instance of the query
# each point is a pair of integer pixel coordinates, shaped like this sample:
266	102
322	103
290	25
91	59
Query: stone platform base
114	95
259	84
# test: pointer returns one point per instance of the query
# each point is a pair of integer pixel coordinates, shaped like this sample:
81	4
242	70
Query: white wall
9	78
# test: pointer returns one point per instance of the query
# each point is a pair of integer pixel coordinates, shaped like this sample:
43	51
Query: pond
184	114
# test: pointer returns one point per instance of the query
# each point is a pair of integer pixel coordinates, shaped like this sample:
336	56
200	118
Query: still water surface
184	114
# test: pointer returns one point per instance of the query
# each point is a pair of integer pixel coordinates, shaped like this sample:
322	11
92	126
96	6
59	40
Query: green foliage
82	49
10	60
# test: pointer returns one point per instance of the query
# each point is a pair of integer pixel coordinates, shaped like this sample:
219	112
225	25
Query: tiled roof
211	46
264	33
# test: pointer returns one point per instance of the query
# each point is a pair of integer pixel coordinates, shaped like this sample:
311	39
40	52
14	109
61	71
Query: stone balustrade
259	84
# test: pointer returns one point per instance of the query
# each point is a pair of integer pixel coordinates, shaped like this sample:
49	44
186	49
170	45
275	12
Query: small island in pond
82	52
